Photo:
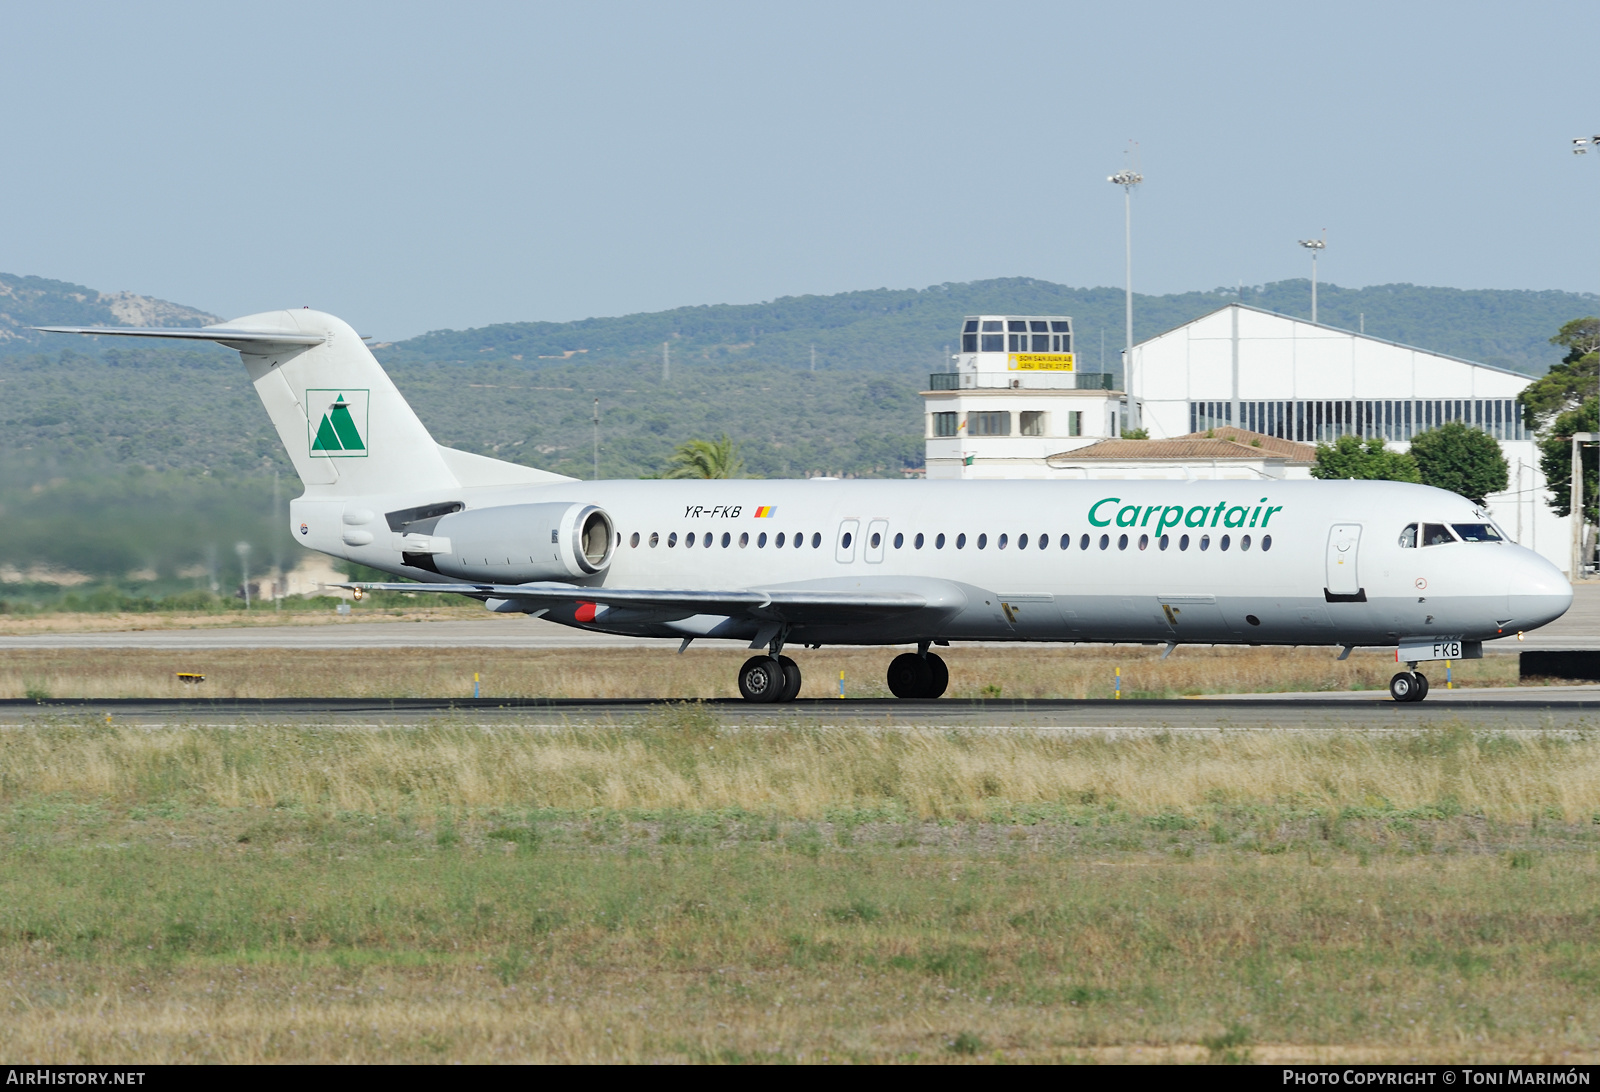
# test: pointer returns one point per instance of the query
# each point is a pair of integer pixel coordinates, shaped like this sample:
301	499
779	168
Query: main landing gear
775	677
1408	686
769	678
918	675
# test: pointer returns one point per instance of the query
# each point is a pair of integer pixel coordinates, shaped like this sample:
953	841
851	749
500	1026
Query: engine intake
516	543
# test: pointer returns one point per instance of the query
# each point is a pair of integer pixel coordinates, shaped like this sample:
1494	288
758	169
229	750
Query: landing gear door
845	548
1343	542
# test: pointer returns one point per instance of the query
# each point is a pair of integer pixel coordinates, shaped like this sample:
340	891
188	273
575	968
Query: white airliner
783	563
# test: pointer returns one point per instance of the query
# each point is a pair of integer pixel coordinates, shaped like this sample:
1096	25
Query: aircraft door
1343	542
877	537
844	550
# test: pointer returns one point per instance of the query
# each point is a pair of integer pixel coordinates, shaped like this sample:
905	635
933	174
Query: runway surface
1579	628
1558	708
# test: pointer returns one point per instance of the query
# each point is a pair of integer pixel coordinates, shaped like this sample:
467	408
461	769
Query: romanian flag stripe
765	511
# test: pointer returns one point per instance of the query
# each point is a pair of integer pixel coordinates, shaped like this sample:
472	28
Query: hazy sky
414	167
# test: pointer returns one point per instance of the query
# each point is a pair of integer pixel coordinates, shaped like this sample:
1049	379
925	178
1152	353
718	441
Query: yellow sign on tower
1041	362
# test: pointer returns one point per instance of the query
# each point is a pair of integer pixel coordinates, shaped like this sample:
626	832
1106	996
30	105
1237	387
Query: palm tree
717	458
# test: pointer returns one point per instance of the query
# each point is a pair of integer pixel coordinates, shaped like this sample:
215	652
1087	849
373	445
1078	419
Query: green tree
1350	457
717	458
1555	459
1566	385
1462	459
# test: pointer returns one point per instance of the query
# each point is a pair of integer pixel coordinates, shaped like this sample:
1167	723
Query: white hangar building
1004	413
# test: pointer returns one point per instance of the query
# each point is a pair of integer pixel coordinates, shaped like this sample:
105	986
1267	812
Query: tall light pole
1580	146
597	439
1128	178
1316	246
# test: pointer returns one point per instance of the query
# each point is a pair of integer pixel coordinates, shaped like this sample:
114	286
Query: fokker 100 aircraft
781	563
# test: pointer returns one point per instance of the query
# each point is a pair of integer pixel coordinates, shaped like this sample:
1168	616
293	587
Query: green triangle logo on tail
337	432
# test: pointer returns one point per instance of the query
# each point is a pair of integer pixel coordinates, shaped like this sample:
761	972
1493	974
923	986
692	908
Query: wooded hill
121	456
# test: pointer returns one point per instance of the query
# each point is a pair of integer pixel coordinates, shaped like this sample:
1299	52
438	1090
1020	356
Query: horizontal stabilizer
232	337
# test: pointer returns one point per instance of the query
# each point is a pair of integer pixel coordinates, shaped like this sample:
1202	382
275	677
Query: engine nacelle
516	543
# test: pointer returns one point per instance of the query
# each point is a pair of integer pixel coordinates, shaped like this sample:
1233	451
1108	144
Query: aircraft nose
1539	592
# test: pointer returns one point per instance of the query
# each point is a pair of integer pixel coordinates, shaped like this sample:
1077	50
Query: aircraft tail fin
340	417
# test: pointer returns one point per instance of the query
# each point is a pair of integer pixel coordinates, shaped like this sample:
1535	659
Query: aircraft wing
785	604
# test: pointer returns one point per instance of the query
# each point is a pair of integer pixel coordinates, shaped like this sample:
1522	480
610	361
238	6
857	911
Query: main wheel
910	676
941	676
791	679
761	679
1403	687
1422	687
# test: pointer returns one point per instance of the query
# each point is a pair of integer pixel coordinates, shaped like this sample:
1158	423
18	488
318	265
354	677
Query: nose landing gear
1408	686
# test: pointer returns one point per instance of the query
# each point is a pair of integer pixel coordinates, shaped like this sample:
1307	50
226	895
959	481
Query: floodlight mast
1128	178
1581	146
1316	246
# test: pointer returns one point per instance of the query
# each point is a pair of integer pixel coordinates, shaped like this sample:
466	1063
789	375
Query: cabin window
1032	423
1205	543
961	541
706	540
1000	543
1122	542
938	543
876	540
845	541
989	423
983	540
816	540
899	540
1436	534
1083	543
945	424
726	539
654	539
1408	537
1105	541
761	541
1266	543
672	539
1144	542
1165	541
1183	543
633	541
778	542
917	542
1022	542
1227	540
1244	542
744	540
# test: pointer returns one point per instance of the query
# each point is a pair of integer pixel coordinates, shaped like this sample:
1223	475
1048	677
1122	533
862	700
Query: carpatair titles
1105	513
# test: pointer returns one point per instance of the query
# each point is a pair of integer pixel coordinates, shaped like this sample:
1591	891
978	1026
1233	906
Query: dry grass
299	615
680	761
975	671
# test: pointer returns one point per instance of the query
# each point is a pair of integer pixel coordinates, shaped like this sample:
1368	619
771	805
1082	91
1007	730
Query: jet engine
514	543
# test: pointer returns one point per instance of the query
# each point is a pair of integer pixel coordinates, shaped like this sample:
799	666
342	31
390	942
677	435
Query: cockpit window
1436	534
1477	532
1408	537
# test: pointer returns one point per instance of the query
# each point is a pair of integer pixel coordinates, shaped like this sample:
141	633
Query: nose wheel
1408	686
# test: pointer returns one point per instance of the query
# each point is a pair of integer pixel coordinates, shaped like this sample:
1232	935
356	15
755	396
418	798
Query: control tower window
1041	342
993	326
1032	423
971	327
993	340
989	423
1017	326
969	342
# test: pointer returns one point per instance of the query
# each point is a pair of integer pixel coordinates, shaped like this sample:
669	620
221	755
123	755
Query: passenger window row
798	541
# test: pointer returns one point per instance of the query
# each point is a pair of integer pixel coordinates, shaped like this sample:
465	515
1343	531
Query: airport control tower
1014	396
